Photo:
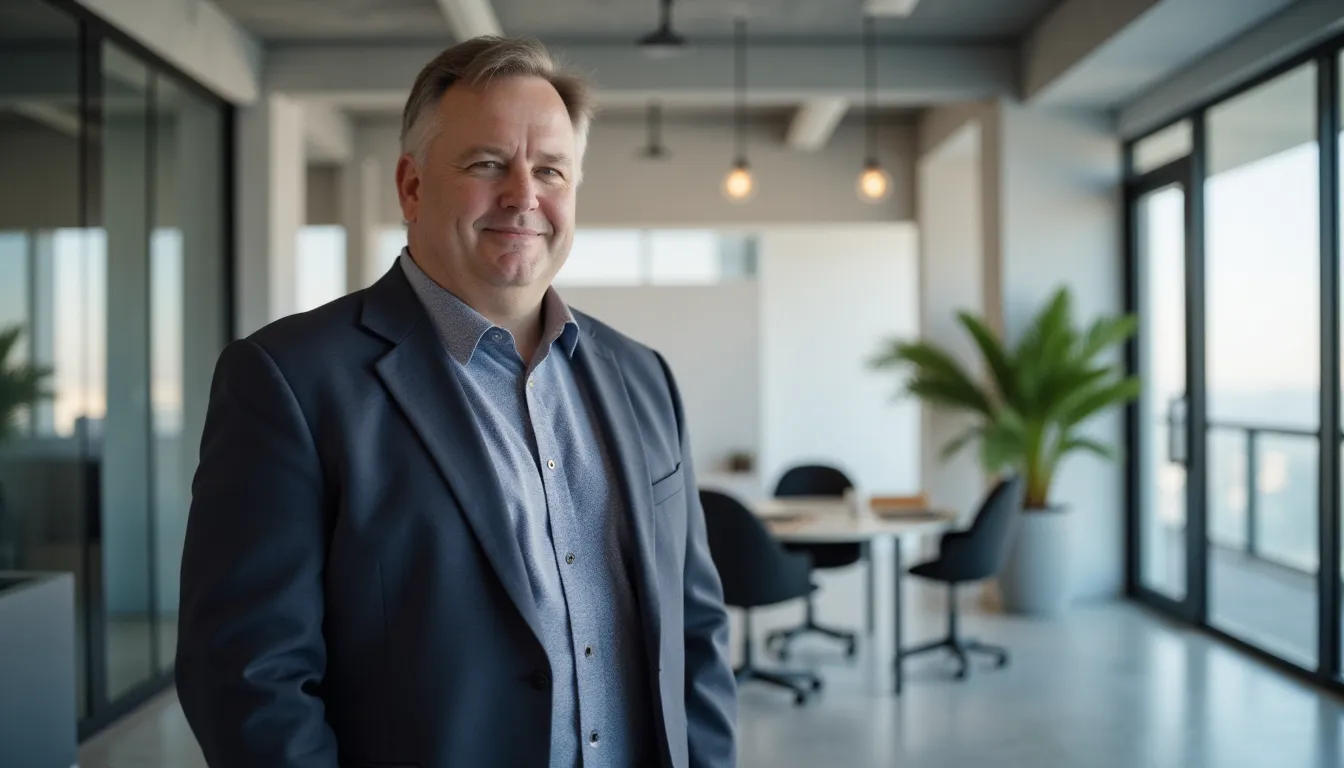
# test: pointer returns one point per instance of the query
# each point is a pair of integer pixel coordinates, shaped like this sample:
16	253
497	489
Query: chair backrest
813	480
985	544
753	566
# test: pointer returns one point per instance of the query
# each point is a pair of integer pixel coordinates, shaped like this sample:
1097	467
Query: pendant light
874	183
738	185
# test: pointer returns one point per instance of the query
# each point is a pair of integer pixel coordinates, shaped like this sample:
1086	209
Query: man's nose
519	191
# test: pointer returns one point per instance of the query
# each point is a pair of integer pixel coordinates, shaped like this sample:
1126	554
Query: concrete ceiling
613	21
358	57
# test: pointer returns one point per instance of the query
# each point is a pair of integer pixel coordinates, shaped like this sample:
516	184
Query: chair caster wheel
1003	662
853	648
961	674
816	683
782	654
799	699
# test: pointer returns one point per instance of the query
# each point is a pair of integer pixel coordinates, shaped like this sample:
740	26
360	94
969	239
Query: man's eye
490	165
549	172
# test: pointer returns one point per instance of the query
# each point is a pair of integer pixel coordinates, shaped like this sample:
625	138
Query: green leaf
1083	444
999	363
21	384
957	443
936	377
1106	331
1036	391
1098	398
1000	448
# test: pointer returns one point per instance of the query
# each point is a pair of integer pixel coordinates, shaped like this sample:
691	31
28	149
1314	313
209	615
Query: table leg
872	588
899	671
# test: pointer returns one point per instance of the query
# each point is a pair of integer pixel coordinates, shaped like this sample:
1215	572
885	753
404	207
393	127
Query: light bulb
738	185
874	183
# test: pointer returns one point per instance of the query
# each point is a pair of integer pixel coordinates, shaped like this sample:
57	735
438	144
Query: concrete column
369	181
271	208
1044	197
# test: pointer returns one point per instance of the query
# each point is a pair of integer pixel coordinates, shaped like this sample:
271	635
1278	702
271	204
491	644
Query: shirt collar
461	328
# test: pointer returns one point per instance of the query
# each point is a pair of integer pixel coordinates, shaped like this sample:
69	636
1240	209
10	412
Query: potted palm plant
1028	417
20	388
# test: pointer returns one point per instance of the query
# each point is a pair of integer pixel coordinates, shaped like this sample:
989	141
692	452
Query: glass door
1162	459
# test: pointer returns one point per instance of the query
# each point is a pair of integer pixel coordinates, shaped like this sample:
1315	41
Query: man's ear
408	186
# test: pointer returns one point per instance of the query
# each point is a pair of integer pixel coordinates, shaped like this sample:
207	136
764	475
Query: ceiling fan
663	41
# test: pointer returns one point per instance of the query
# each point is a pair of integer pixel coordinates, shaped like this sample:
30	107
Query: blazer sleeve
711	690
250	651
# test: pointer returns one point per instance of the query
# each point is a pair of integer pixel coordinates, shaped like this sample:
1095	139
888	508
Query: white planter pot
1035	578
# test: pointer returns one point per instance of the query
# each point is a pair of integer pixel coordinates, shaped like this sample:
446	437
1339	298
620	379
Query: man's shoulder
316	338
623	347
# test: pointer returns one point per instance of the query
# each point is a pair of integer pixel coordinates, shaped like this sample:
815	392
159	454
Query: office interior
178	173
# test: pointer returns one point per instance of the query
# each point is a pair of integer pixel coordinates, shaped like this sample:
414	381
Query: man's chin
515	269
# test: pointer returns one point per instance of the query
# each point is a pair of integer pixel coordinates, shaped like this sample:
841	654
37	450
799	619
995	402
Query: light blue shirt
562	495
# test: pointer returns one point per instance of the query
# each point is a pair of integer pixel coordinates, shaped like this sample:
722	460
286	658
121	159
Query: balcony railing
1290	539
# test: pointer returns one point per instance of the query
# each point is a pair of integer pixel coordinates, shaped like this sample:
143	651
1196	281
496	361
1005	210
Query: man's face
492	208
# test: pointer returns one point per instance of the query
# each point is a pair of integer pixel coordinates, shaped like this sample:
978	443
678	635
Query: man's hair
474	63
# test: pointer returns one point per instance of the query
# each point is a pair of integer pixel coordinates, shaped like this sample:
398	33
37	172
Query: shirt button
592	739
550	463
569	559
588	650
531	382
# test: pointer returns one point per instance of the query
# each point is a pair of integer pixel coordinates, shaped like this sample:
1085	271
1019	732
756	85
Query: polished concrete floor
1109	686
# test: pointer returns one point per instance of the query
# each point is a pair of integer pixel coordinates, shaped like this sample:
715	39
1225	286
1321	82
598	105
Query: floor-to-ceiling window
1263	321
113	279
1234	522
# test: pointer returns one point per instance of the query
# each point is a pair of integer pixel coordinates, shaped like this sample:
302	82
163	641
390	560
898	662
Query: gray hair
474	62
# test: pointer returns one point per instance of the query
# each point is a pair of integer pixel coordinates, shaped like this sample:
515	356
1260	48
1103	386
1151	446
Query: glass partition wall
1234	215
113	274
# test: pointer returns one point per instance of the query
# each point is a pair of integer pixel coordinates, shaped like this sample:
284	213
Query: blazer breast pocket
668	487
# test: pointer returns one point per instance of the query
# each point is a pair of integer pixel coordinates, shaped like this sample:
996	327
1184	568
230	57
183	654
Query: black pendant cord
870	88
655	128
740	45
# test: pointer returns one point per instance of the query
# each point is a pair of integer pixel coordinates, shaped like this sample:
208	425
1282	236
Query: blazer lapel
418	373
607	386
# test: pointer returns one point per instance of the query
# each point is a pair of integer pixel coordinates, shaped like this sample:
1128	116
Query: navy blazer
352	592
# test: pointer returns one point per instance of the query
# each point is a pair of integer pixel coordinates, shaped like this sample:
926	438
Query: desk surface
828	520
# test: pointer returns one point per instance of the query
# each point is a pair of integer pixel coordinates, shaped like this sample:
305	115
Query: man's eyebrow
483	149
554	158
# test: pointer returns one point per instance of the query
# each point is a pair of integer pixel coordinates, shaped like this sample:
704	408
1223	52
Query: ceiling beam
814	122
197	37
470	18
379	76
328	135
1104	53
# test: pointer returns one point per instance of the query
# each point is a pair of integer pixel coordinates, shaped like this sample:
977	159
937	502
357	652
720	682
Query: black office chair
756	571
816	480
974	554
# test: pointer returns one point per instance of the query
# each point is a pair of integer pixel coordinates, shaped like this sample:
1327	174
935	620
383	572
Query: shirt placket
570	555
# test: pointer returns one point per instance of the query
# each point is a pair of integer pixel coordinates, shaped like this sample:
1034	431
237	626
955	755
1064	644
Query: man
445	521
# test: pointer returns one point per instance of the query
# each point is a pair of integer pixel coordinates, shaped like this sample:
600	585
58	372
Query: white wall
951	271
1061	216
792	186
710	336
830	295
